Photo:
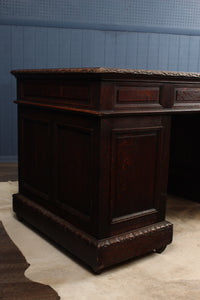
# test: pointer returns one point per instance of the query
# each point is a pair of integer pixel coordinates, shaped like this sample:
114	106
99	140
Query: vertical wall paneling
41	47
98	57
17	50
87	42
193	57
65	47
183	53
52	47
142	51
120	49
17	62
163	56
173	57
5	90
29	47
110	49
131	50
153	51
76	46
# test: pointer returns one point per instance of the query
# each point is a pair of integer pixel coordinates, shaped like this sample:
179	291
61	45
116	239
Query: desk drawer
187	94
137	95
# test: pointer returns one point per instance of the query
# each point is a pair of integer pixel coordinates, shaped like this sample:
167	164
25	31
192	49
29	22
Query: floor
8	172
174	274
171	275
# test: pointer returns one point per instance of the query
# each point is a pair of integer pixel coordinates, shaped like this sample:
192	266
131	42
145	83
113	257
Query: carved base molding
98	254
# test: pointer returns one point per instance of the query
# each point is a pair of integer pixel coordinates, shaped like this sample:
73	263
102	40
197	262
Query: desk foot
161	249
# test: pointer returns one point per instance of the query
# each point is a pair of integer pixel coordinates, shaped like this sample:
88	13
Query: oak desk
94	155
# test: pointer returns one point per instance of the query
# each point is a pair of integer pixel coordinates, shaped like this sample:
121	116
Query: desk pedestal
94	155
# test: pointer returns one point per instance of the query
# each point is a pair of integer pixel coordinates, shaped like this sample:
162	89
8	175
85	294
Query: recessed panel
74	168
61	91
187	94
134	171
137	94
41	89
35	165
76	92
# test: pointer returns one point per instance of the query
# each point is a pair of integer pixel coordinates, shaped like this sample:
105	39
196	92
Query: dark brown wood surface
94	155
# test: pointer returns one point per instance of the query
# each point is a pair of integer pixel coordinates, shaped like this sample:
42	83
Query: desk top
133	73
109	90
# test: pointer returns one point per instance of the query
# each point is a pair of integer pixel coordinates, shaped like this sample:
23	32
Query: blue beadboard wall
156	34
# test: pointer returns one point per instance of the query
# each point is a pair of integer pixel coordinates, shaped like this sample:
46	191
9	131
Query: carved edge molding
132	235
99	70
88	239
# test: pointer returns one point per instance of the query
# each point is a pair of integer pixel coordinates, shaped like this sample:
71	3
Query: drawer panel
137	95
56	91
187	94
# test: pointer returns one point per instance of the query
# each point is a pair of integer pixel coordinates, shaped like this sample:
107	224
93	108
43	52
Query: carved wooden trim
187	94
131	235
96	253
150	73
90	240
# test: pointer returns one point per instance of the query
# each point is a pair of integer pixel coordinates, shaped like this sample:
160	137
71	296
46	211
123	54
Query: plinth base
98	254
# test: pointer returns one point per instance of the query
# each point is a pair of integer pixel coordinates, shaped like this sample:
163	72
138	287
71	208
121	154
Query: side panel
138	166
58	158
63	92
75	157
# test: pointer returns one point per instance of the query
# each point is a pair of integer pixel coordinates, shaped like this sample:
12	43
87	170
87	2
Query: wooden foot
161	249
19	218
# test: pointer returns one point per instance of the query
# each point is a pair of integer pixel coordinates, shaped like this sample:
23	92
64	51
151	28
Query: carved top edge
109	71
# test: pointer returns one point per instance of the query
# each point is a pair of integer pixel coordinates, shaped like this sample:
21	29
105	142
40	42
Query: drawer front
187	94
131	95
137	95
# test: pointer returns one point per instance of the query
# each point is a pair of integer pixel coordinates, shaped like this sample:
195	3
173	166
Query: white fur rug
172	275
